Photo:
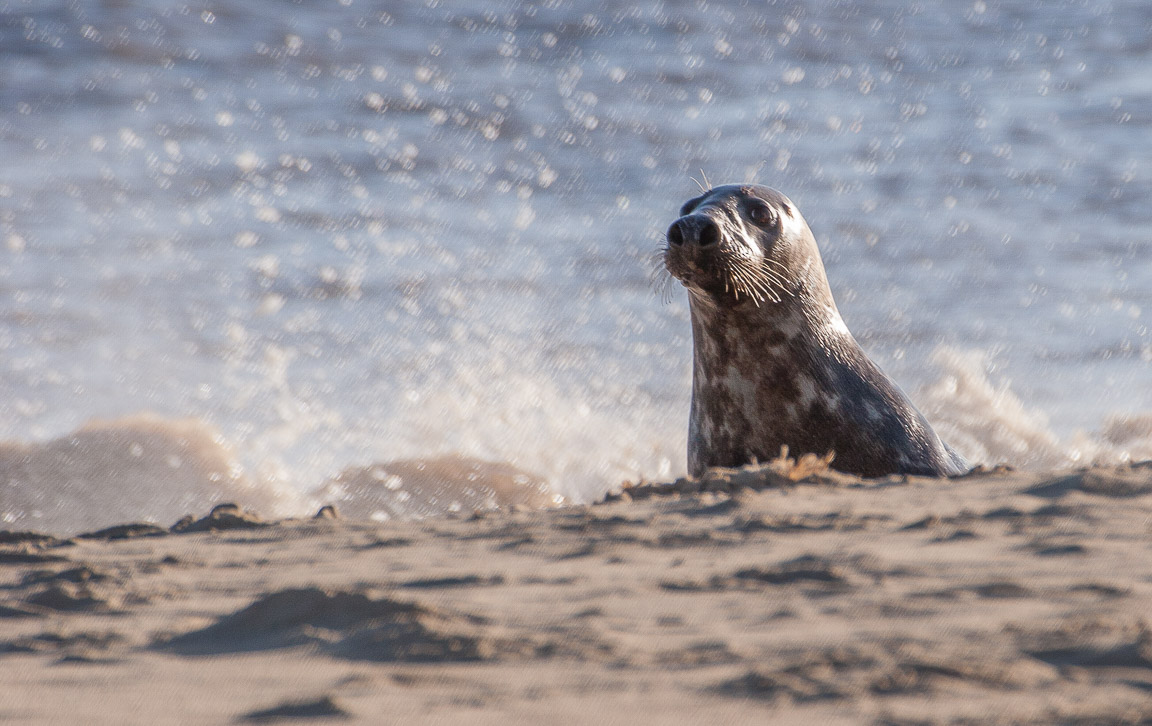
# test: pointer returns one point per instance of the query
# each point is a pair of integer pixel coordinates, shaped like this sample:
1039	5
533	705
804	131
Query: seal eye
762	214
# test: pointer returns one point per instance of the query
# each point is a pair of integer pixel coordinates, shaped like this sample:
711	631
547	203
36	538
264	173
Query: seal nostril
709	234
675	236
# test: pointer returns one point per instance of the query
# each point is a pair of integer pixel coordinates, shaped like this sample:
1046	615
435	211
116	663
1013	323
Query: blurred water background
338	232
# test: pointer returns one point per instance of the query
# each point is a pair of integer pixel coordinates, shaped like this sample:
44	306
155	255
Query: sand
771	595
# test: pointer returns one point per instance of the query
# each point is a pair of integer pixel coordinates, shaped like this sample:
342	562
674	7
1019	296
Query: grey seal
773	362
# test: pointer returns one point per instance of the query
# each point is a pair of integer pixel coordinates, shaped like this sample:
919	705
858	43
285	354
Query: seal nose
695	229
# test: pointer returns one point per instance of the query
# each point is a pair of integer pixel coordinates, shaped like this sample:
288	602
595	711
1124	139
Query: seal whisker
769	291
754	293
740	277
758	278
738	283
763	285
779	267
775	263
775	286
666	287
772	280
659	277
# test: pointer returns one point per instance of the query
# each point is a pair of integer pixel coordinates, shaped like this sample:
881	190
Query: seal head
773	363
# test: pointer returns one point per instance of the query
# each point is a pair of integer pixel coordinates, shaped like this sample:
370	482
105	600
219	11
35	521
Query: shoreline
784	591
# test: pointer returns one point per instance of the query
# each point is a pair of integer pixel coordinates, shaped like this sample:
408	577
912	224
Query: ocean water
248	246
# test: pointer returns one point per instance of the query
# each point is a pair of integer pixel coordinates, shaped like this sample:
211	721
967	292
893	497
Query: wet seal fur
773	363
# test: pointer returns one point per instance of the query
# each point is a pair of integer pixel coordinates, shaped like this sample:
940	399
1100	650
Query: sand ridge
784	592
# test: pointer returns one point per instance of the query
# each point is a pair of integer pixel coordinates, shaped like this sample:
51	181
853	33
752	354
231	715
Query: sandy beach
783	594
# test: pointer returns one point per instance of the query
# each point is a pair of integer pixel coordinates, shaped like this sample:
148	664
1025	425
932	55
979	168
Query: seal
773	362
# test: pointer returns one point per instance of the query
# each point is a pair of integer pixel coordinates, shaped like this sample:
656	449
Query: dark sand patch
1095	588
80	574
805	569
885	670
1132	480
698	654
324	707
8	537
71	597
459	581
1061	550
815	572
361	626
958	535
385	542
21	610
78	589
125	531
1093	644
1001	590
223	517
789	523
80	643
25	557
352	624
